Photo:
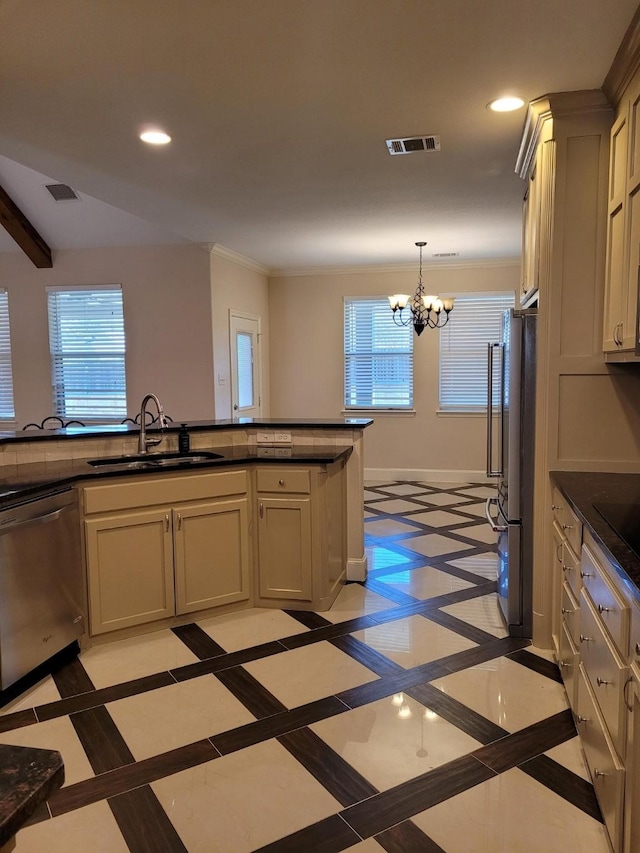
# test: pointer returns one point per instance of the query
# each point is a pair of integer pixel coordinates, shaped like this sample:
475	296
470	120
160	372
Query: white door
244	337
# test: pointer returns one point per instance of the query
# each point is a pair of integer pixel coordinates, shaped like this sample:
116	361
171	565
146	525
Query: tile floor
404	719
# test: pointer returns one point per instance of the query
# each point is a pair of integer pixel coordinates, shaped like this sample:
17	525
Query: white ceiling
279	111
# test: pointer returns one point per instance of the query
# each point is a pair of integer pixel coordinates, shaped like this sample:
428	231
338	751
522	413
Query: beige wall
306	321
167	311
244	290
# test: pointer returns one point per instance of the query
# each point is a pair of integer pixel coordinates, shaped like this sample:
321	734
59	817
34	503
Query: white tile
571	755
413	641
246	628
435	545
511	813
244	800
57	734
438	518
42	693
355	600
482	612
425	582
92	828
480	532
486	565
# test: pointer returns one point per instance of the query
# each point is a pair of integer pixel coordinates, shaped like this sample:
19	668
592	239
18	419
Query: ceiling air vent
445	254
61	192
413	144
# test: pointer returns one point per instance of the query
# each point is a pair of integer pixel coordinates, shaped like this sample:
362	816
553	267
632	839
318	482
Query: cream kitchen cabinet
632	761
156	547
537	213
301	551
567	582
623	232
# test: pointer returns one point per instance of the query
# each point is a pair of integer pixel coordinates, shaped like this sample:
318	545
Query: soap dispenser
183	439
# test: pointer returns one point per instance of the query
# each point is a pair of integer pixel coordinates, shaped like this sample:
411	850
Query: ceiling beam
18	226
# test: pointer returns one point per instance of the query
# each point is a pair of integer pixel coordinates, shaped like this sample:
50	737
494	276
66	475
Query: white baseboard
425	475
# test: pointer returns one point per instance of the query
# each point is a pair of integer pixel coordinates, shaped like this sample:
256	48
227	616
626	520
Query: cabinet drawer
612	609
571	569
568	663
605	670
571	613
606	769
283	480
572	528
149	491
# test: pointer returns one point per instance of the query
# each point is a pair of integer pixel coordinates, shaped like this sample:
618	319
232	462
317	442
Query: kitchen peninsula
261	513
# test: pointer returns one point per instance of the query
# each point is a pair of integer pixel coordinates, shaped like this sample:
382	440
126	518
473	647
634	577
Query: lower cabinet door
284	548
211	546
130	569
632	793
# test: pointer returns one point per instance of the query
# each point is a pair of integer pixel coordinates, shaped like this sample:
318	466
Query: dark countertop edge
27	779
584	489
44	477
106	430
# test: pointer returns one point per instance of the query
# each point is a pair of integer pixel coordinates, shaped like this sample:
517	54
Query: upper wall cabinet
623	231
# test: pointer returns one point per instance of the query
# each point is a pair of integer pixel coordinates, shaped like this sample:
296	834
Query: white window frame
97	340
475	321
368	326
7	405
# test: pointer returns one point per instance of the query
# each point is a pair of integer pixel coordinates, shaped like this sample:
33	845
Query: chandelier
424	311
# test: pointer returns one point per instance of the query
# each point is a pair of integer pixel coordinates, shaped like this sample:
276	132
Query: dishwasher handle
13	523
493	522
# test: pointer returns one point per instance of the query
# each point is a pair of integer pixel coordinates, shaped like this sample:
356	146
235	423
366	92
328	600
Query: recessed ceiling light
505	105
155	137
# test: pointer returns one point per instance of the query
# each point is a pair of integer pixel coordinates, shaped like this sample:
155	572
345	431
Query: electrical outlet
264	437
282	451
282	437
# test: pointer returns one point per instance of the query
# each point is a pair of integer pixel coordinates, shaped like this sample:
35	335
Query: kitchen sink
155	460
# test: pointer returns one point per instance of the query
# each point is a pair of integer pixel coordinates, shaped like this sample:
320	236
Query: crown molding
235	258
554	105
394	268
625	63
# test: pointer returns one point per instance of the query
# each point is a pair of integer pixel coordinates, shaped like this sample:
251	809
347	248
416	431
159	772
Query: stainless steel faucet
145	443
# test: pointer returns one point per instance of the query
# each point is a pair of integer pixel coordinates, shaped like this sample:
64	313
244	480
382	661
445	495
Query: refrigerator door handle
497	528
491	471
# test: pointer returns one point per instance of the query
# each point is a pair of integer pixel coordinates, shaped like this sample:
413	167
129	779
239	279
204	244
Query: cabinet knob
567	526
554	507
566	568
638	648
584	639
598	773
585	574
603	609
580	719
601	681
281	482
564	664
564	610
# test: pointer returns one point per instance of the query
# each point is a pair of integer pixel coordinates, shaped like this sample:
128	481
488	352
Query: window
378	357
475	321
7	411
86	339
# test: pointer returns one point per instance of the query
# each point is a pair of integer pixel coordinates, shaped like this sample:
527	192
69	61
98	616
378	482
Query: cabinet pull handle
166	522
261	505
598	773
566	568
179	521
601	681
624	693
585	574
584	639
564	610
638	648
554	507
564	664
603	609
567	526
582	719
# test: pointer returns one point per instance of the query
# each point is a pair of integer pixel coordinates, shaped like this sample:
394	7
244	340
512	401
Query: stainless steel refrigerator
511	386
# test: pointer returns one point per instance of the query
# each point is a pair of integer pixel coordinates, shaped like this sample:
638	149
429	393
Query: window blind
86	337
245	369
7	410
378	357
475	321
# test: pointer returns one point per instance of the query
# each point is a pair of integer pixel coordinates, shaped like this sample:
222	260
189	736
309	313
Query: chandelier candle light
425	311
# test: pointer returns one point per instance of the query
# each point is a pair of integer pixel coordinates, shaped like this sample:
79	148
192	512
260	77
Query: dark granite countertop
33	479
106	430
27	778
583	490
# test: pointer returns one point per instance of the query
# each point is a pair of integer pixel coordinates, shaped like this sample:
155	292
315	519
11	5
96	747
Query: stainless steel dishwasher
42	588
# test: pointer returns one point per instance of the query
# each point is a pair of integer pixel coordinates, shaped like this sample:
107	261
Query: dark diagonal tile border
537	664
364	654
562	781
390	592
464	629
248	690
277	724
308	618
406	837
144	823
466	719
72	679
231	659
102	742
121	780
18	720
410	798
527	743
328	632
337	776
330	835
198	641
